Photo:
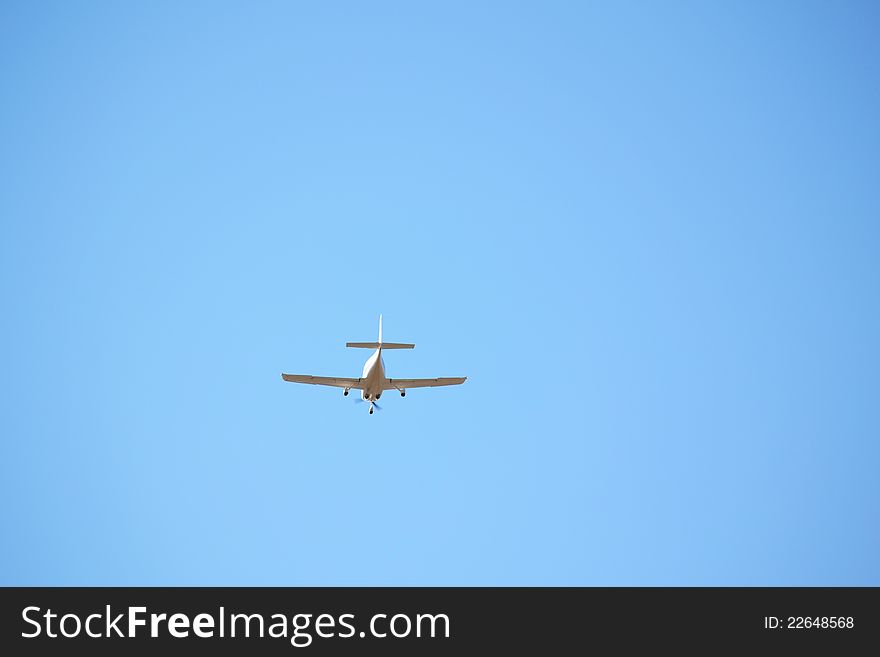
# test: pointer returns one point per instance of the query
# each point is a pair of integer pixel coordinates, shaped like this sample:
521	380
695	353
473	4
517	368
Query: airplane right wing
406	384
333	381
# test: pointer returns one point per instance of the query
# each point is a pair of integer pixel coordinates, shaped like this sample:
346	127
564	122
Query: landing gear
371	409
403	393
345	393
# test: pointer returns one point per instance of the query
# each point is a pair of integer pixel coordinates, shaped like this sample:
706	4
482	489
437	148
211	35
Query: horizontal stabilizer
376	345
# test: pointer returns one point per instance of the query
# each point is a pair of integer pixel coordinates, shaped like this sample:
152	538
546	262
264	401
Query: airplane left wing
406	384
333	381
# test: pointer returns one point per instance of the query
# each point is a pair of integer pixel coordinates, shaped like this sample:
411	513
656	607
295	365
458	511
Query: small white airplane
373	382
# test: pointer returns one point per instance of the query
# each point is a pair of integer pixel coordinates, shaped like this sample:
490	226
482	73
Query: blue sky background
648	233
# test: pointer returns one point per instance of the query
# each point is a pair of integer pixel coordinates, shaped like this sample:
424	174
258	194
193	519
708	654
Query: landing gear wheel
345	393
371	410
403	393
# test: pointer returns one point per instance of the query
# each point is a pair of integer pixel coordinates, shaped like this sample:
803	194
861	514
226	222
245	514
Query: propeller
364	401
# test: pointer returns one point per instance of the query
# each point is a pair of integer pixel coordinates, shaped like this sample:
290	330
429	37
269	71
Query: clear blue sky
648	232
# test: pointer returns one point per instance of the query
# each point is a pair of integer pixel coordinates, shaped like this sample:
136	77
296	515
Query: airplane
373	382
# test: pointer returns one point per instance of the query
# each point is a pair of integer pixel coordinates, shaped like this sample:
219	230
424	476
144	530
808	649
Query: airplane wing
406	384
336	382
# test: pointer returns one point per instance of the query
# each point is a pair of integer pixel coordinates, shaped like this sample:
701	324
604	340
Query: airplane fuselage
373	376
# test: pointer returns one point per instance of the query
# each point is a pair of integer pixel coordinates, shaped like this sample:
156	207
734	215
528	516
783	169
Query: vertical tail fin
380	344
